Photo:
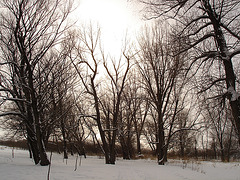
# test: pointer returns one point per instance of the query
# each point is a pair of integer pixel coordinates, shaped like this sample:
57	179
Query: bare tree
212	28
89	42
118	80
135	111
160	71
89	57
219	120
28	30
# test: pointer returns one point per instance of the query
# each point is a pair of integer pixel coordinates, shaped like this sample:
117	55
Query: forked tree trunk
36	119
42	151
33	147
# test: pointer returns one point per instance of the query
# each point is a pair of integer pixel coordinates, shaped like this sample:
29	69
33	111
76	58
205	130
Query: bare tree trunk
139	151
129	144
161	143
195	149
65	154
227	62
33	147
42	151
112	145
125	148
235	106
63	129
29	147
99	125
181	146
222	151
214	148
229	145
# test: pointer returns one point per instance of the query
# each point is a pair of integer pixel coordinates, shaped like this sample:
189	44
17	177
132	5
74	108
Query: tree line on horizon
176	88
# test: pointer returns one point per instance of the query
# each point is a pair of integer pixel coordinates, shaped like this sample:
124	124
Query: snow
234	94
22	168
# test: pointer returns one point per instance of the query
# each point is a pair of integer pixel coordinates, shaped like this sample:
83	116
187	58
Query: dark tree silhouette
212	28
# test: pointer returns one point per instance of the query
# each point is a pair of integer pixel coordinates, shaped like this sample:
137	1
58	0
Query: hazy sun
116	18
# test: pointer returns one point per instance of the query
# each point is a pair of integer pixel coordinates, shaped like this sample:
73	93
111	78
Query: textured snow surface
22	168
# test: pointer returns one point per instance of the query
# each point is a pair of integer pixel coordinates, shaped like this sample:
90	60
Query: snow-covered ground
22	168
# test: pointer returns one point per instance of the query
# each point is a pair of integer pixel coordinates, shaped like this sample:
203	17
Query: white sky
115	17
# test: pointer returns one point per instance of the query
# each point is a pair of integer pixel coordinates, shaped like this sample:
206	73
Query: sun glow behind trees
118	20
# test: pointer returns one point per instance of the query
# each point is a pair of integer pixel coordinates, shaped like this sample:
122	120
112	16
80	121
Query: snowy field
22	168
